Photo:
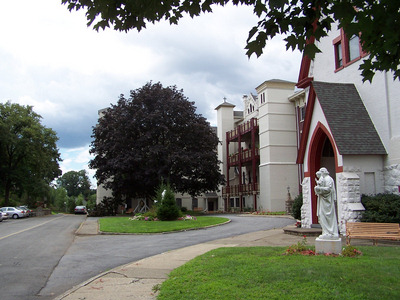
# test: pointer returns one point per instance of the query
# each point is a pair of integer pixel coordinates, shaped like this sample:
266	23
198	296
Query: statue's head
324	171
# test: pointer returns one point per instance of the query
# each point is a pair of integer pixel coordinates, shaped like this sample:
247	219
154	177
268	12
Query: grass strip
125	225
264	273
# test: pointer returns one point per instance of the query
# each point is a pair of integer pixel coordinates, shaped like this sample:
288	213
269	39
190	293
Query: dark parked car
80	210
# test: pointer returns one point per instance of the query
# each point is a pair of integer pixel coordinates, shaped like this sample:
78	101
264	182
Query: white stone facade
392	179
306	219
355	174
349	206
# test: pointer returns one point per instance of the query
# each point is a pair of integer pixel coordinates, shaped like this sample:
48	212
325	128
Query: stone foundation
391	175
306	218
349	204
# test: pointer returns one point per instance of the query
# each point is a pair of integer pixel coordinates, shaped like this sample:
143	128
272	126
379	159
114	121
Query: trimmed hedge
381	208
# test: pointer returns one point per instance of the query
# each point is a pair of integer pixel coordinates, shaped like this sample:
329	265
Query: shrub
104	208
151	213
167	210
296	207
381	208
300	248
350	251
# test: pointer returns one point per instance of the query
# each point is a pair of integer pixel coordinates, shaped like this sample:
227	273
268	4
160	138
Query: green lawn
264	273
125	225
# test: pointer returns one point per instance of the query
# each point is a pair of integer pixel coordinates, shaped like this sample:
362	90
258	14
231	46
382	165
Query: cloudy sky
51	60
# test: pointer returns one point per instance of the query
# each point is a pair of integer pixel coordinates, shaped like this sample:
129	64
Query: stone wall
392	179
349	206
40	211
306	218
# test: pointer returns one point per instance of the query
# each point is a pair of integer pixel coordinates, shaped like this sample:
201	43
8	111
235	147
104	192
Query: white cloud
77	159
51	60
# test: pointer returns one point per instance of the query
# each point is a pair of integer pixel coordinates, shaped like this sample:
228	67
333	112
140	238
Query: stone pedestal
323	246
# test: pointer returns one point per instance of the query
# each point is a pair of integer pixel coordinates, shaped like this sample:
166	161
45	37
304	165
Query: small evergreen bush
381	208
167	210
296	207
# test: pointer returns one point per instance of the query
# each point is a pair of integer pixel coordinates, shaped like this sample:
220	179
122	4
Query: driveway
89	256
41	258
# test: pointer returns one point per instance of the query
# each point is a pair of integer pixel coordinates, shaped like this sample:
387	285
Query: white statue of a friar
326	211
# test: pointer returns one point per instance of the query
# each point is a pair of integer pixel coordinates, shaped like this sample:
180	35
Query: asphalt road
30	249
45	261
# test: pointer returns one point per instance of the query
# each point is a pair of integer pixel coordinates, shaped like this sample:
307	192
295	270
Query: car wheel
15	216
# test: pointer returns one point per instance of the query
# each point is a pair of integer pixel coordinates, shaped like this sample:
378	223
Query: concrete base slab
325	246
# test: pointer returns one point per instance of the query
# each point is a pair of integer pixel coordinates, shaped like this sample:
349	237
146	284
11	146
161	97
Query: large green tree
58	198
75	183
29	155
154	135
300	20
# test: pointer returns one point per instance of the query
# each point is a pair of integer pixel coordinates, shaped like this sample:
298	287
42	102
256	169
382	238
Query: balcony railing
242	129
245	157
244	189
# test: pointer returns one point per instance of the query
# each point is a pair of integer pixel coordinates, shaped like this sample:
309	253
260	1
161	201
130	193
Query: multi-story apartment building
258	149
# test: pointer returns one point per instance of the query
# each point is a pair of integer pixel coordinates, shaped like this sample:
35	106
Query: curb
166	232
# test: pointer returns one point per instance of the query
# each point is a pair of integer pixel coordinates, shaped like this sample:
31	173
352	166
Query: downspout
226	201
253	155
388	105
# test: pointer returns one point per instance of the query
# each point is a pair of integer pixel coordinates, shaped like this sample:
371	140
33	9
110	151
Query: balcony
246	156
242	129
237	190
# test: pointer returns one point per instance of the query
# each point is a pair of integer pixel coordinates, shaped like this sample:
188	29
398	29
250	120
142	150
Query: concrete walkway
135	281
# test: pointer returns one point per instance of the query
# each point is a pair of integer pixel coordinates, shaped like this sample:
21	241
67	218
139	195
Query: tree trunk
7	193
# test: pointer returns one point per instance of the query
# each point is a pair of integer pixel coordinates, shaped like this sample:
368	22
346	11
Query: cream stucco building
258	149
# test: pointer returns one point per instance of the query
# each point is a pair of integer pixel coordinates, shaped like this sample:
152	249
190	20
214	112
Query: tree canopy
151	137
299	20
28	152
75	183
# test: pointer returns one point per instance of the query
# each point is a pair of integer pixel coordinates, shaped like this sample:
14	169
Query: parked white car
13	212
3	216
